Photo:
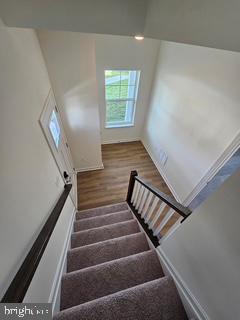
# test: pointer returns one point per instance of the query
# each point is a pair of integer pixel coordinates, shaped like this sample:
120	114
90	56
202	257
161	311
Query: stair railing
22	280
156	211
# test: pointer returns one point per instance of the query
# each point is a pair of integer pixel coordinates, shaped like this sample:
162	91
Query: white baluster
140	196
158	214
172	229
146	207
164	221
153	207
134	192
144	197
137	193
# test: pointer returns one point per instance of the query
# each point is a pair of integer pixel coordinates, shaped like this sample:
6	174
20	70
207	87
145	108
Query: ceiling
121	17
211	23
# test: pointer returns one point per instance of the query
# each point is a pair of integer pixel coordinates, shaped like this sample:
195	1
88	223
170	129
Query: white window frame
130	112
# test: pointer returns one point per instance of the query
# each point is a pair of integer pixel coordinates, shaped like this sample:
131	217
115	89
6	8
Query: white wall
194	112
205	252
30	183
46	283
116	52
70	59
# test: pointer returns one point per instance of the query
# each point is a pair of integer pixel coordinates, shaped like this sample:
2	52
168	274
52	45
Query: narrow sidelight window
54	128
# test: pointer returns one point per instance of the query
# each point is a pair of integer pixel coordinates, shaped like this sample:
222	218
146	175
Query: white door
53	129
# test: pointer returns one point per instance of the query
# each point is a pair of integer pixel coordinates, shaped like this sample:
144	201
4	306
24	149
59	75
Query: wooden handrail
20	284
170	201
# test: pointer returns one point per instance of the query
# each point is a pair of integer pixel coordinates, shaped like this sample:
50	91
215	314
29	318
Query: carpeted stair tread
112	231
88	213
92	283
107	250
99	221
154	300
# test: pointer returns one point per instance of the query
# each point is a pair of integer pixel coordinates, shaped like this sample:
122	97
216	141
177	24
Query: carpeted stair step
112	231
89	213
154	300
104	251
92	283
99	221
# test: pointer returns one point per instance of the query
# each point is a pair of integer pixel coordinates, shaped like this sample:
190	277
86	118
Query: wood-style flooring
110	185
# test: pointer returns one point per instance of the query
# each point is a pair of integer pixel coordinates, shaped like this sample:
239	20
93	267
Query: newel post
133	174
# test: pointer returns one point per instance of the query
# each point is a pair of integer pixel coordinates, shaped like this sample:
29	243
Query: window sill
113	126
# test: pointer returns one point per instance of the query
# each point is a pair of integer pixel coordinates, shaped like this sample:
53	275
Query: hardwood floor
101	187
110	185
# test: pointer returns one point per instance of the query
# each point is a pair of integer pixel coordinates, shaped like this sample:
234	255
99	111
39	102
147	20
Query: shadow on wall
76	101
230	167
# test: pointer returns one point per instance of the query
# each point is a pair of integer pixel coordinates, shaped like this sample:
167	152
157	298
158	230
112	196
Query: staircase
112	273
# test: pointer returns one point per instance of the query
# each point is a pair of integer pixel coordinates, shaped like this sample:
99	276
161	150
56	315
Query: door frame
43	121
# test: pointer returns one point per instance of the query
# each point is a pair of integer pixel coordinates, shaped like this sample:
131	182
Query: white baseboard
90	168
209	174
161	171
54	297
193	308
120	141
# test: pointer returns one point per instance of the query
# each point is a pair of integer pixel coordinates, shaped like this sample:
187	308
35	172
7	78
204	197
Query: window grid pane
112	92
116	111
120	94
111	76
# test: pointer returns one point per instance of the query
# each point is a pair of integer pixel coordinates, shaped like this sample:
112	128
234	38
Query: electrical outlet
162	157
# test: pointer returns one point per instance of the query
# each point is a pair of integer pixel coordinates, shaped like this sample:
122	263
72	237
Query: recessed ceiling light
139	37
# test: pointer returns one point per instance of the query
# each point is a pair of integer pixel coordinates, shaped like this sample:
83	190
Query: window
121	88
54	128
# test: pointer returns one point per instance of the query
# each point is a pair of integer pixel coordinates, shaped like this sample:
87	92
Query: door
53	130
